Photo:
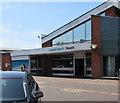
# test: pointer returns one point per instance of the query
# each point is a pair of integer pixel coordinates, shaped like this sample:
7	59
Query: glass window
88	62
63	56
13	89
88	30
63	60
103	14
79	33
64	39
88	54
36	61
57	41
109	66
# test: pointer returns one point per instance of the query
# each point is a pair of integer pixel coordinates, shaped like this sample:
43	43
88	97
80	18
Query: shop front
67	60
65	64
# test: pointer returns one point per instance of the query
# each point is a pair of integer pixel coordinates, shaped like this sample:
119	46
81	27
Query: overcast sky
22	22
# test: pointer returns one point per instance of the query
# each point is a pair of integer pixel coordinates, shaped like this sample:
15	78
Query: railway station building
88	46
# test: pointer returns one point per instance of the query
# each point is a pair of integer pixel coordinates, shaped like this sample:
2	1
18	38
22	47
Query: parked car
18	87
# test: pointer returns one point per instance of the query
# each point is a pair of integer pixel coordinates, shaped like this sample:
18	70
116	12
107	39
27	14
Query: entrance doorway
79	67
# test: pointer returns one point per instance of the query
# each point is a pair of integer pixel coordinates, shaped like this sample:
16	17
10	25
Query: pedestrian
23	68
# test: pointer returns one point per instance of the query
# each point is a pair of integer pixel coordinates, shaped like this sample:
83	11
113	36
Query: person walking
23	68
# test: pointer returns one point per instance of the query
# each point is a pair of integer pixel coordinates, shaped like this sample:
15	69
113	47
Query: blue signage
61	48
56	49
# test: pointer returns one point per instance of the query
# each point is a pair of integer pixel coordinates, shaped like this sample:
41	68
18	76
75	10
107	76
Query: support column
6	62
47	65
96	53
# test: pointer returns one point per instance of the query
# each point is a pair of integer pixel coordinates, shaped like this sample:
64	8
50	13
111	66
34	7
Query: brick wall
97	58
47	44
96	54
6	62
113	11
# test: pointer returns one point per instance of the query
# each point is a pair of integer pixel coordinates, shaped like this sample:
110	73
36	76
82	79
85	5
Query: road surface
76	89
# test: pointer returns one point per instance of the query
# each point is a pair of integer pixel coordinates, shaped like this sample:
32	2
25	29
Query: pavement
77	89
111	78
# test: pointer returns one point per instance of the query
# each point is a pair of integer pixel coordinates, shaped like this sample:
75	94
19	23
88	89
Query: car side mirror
38	94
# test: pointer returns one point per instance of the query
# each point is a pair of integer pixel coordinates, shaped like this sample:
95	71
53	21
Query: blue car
18	87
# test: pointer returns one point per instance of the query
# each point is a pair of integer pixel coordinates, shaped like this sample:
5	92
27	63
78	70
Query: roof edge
109	2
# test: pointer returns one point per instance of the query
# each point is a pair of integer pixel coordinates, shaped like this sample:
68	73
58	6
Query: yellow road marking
42	86
79	90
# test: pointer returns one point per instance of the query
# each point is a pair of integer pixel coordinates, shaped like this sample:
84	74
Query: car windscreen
13	89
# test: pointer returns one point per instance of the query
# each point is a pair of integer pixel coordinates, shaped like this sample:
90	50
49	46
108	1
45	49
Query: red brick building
5	59
88	46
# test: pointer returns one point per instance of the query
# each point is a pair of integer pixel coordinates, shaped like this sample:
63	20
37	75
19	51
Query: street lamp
94	46
40	37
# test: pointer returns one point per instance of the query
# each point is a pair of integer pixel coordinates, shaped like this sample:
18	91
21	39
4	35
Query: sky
23	22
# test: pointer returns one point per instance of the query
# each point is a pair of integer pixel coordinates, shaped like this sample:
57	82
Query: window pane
57	41
88	62
63	63
65	60
36	61
88	30
109	66
33	62
103	14
79	33
13	89
64	39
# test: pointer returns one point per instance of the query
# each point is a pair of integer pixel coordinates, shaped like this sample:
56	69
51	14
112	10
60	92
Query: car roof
12	74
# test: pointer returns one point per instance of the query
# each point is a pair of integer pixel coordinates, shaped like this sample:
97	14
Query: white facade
52	50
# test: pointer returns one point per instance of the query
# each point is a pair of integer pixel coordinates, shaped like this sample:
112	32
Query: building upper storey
78	35
79	30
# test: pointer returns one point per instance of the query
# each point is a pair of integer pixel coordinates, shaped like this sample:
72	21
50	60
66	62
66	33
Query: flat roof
7	49
99	9
53	50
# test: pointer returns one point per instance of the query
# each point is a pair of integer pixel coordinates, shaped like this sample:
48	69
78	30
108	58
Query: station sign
61	48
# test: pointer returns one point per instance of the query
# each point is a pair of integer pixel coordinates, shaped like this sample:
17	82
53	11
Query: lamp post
40	37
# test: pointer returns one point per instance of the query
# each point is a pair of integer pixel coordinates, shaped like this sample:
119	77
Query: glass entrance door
79	67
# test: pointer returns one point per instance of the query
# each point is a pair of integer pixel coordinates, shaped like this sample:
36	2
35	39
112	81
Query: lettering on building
56	49
69	48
